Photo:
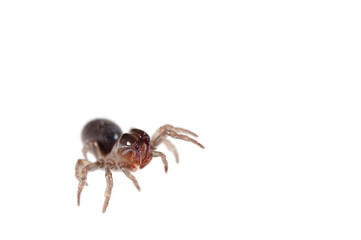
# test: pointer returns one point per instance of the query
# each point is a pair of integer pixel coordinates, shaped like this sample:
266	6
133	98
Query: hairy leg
131	177
158	140
108	190
171	148
81	171
170	127
164	159
80	164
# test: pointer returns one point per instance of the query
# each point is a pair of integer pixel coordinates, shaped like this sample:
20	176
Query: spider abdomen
102	131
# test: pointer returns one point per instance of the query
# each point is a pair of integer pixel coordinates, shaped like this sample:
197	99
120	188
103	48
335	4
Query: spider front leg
81	171
159	138
170	127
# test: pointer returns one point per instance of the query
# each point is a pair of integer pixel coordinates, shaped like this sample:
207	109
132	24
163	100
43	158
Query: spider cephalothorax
126	152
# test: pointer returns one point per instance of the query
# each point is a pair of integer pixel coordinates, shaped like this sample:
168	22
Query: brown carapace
126	152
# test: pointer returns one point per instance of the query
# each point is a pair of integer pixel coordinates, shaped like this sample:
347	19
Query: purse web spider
126	152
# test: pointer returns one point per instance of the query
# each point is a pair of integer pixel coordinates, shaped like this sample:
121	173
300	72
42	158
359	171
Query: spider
125	152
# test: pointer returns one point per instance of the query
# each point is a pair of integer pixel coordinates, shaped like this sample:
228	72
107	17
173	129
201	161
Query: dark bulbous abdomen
103	131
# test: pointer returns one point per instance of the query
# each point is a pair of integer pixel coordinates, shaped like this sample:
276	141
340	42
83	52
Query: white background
271	87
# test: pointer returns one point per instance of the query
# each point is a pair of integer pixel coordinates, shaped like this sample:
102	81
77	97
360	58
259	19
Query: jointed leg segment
108	190
160	138
131	177
164	159
81	171
171	148
170	127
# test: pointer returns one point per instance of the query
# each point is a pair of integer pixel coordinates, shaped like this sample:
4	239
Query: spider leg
93	147
164	159
170	127
80	164
131	177
81	172
171	148
160	138
108	190
182	130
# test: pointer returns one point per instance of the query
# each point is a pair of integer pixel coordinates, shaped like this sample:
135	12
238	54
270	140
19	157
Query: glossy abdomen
103	131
